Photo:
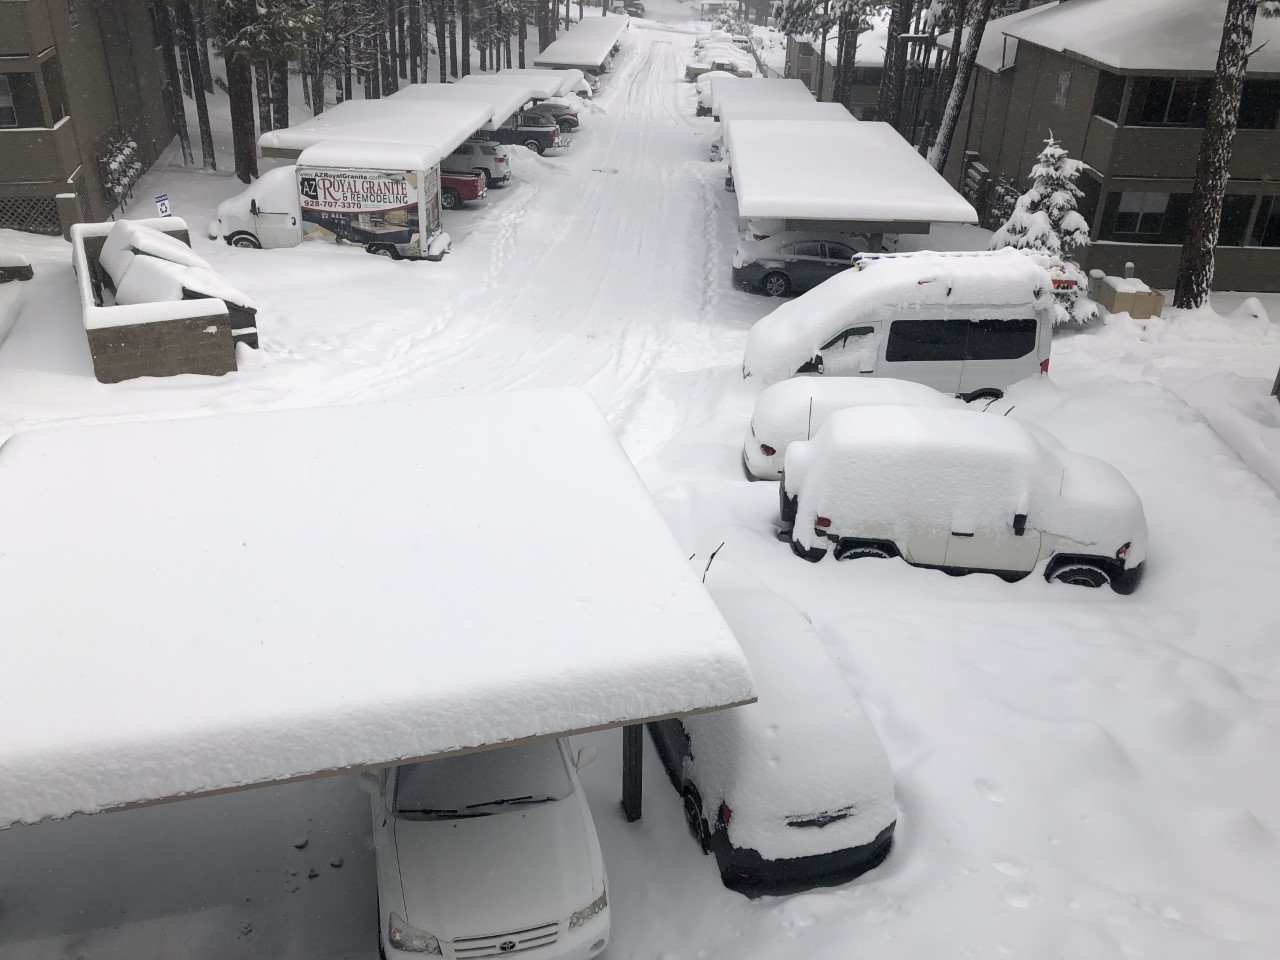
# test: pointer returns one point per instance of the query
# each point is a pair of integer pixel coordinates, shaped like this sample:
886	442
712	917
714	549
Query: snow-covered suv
962	493
480	156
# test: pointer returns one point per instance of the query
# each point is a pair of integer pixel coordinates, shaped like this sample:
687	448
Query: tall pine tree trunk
262	87
243	135
402	41
464	14
415	39
390	55
522	37
202	40
890	107
979	14
442	59
1195	272
191	40
317	84
172	89
184	61
453	38
279	93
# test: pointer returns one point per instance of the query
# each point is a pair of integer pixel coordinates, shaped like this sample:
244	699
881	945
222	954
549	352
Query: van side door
929	351
1000	352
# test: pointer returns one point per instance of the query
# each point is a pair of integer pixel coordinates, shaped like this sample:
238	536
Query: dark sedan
788	263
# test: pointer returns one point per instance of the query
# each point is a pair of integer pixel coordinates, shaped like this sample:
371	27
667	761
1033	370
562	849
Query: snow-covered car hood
1098	508
508	871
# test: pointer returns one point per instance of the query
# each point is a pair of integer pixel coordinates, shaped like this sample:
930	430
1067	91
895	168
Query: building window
1168	102
1266	227
20	101
1107	96
1236	208
1141	212
1260	105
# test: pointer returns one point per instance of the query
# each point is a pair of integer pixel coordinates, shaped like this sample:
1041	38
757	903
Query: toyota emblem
506	946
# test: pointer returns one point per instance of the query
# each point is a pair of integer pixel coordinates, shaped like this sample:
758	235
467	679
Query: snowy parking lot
1079	774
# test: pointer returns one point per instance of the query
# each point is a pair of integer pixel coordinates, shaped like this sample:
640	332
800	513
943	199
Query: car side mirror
1019	524
369	782
585	757
253	207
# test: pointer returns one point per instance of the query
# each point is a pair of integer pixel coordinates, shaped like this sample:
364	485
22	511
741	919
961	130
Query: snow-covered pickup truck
695	70
539	134
457	188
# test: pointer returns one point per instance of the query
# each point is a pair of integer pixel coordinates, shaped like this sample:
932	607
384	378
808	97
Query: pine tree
975	24
1045	220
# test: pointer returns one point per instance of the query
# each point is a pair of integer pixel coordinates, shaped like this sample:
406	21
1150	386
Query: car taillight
1044	365
499	159
822	521
1124	551
726	812
767	450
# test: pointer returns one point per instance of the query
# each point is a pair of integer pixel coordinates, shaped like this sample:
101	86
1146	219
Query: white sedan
489	853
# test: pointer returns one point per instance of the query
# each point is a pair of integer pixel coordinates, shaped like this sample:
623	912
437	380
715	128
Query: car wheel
534	145
693	817
246	241
776	285
1079	575
856	550
565	125
449	199
382	250
484	177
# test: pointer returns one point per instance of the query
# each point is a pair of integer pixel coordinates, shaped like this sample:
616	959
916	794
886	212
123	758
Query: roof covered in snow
586	44
997	51
759	90
887	181
543	83
503	98
735	109
360	155
1007	283
1146	35
424	123
203	604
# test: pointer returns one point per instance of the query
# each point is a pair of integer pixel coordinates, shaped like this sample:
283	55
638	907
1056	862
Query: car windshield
480	784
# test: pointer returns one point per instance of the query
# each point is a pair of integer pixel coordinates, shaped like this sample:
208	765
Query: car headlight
402	936
594	908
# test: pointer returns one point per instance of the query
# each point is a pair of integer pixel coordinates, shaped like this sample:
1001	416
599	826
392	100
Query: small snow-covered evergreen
1045	219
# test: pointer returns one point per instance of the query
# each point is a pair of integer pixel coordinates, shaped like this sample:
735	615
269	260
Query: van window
1000	339
915	340
842	340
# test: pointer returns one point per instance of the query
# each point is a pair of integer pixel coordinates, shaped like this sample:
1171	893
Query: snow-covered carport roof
586	45
543	83
758	90
192	606
746	109
420	122
885	187
504	99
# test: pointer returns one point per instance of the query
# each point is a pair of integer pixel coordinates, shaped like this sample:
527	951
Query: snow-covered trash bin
794	791
153	329
962	493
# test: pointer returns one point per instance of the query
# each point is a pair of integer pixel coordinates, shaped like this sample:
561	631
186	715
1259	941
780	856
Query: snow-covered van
963	493
968	324
793	791
384	197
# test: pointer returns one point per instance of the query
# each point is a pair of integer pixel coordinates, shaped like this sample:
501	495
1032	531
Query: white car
796	409
960	493
486	854
964	323
480	156
793	791
264	214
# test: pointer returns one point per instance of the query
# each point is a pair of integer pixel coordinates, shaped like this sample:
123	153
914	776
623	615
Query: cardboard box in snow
1130	295
152	325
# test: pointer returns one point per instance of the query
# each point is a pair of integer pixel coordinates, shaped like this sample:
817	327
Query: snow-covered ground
1080	774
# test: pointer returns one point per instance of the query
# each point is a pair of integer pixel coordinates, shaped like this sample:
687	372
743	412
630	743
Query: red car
457	188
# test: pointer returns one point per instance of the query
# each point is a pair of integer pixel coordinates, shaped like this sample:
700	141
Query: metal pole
632	770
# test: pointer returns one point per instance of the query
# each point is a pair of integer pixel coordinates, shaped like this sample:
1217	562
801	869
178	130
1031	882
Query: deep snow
1080	775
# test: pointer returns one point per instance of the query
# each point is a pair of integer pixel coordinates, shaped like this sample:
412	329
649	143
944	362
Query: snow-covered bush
1045	219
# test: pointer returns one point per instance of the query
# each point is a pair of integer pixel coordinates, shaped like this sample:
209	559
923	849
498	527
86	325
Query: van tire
858	549
450	199
691	801
775	284
535	146
986	393
1078	573
244	240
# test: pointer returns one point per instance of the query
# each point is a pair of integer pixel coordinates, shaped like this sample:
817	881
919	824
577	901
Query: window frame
948	325
11	105
1146	204
842	338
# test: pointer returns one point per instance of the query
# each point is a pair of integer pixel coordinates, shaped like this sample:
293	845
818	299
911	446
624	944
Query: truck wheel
776	285
244	240
449	199
535	146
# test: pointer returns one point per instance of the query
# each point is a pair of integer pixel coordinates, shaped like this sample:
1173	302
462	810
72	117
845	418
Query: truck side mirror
253	207
1019	524
369	782
585	756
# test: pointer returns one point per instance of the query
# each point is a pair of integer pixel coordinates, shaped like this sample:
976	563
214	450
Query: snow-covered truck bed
203	604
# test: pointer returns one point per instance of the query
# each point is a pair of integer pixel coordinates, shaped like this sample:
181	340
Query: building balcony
24	28
1170	153
38	153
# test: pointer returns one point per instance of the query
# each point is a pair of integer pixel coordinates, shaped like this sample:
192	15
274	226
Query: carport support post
632	770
